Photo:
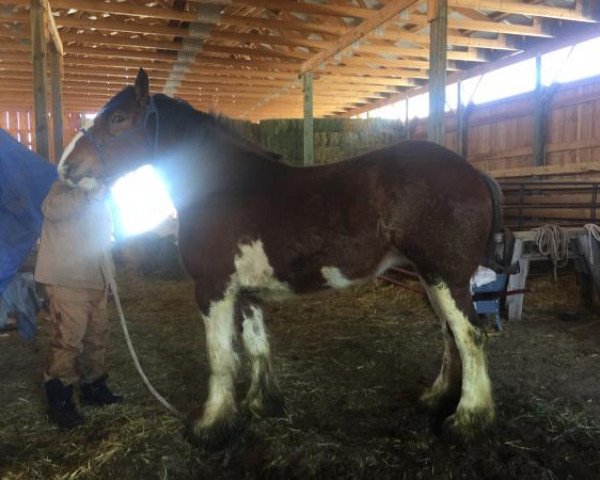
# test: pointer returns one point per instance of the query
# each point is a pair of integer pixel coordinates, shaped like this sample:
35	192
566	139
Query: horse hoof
427	403
467	425
268	406
438	406
216	436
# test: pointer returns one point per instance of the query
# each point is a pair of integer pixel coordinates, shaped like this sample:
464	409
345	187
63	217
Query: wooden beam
309	139
389	11
38	58
588	33
461	123
113	25
437	11
547	170
483	25
128	9
305	7
56	81
56	40
522	8
539	116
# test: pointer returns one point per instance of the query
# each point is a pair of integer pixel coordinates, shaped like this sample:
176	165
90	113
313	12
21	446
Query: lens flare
141	201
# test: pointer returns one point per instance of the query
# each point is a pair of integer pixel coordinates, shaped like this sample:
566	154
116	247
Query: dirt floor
351	365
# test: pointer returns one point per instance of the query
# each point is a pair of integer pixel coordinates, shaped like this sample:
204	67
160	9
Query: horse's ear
141	87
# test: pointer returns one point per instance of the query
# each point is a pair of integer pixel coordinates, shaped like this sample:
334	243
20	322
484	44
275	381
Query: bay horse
253	227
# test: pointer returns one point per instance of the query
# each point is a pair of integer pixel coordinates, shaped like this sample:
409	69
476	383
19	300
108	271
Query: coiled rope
593	232
553	242
109	273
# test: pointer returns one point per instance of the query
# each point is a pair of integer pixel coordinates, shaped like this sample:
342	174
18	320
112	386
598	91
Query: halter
115	139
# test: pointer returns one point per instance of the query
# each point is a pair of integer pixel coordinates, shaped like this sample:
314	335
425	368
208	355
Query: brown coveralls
75	239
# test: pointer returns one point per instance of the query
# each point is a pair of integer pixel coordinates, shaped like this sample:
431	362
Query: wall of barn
500	138
500	134
21	125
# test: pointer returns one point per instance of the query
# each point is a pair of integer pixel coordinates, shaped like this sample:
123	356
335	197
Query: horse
252	227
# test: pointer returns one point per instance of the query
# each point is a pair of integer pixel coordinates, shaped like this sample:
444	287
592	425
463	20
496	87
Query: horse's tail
499	263
497	199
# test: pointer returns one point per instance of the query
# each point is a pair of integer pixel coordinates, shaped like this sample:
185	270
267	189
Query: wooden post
591	258
539	116
406	119
460	121
437	11
309	140
38	57
517	281
56	75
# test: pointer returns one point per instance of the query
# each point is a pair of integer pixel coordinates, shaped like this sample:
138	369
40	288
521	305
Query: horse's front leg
264	397
220	416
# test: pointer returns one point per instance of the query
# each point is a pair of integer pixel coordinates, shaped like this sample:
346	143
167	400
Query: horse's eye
117	119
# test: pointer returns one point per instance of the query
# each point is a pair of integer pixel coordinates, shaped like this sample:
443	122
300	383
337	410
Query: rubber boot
97	393
61	409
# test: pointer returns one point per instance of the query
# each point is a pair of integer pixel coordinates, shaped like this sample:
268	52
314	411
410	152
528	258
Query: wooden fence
531	203
500	135
21	125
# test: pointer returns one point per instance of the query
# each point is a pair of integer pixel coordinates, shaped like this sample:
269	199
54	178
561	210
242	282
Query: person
74	248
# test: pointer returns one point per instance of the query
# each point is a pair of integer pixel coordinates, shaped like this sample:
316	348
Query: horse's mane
185	115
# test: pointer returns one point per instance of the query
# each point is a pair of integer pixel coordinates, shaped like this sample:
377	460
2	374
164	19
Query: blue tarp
18	300
25	179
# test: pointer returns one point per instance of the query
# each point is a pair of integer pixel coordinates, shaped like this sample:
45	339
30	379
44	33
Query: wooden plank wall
20	124
500	134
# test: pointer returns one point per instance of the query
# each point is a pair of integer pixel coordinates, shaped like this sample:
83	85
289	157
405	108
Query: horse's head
117	141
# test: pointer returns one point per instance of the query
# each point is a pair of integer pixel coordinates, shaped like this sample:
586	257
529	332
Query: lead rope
552	241
593	232
109	273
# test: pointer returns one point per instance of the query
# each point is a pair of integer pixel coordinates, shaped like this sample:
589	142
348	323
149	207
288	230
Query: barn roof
243	58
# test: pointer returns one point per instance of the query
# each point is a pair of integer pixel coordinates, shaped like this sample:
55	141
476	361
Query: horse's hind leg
442	398
220	416
264	397
475	409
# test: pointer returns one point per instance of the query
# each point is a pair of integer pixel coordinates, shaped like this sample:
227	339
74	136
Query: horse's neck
205	163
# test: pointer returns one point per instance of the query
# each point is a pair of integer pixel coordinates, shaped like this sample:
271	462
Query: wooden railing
531	203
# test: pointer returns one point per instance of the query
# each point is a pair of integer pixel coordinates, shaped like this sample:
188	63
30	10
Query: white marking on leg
253	270
256	344
220	333
334	278
442	383
254	334
476	395
391	259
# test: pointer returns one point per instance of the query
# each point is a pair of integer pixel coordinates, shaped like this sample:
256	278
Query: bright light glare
506	82
418	106
564	65
141	200
568	66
